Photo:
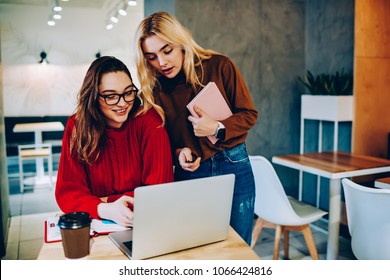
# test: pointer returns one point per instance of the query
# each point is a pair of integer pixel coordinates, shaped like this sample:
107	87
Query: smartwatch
220	132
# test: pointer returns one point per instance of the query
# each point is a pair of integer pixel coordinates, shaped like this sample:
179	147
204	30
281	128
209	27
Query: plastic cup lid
74	220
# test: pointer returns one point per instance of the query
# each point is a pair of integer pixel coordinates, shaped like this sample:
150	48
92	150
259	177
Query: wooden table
38	128
335	166
383	183
102	248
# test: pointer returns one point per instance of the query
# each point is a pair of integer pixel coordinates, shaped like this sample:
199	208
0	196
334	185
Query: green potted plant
339	83
327	97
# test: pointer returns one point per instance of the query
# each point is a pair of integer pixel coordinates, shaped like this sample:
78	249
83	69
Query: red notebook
211	101
98	227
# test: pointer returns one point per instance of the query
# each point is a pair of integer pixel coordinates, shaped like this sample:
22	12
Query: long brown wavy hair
88	135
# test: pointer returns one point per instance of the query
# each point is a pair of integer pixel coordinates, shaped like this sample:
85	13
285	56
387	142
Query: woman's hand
187	160
204	125
117	211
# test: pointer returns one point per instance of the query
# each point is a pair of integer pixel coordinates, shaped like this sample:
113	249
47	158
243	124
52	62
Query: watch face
221	134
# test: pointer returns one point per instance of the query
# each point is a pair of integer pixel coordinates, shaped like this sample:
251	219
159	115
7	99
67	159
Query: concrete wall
152	6
266	41
329	44
329	47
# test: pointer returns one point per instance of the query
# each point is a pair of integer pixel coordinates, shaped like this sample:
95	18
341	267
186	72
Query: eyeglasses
113	99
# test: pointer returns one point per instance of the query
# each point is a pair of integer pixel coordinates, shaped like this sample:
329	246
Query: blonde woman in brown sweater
172	69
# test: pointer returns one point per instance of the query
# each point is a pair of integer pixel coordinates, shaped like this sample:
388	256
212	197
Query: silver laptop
176	216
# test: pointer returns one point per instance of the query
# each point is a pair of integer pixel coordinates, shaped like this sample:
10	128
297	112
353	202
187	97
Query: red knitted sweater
137	154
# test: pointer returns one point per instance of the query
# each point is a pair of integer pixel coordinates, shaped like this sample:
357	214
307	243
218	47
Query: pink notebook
211	101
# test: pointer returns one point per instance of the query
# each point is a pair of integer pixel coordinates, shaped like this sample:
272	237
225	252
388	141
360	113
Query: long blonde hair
169	29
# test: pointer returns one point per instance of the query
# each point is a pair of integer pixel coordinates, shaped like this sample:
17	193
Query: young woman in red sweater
173	68
111	145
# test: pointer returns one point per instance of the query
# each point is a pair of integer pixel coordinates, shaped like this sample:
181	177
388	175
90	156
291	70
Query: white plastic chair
277	210
34	151
368	216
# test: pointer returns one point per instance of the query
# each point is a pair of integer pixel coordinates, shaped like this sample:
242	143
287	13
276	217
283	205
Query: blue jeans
231	161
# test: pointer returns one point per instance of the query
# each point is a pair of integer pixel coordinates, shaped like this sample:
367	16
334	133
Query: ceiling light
122	11
43	56
57	15
56	6
114	19
51	21
119	10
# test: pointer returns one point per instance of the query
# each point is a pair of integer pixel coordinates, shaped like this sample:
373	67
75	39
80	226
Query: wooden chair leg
286	244
278	236
310	242
258	227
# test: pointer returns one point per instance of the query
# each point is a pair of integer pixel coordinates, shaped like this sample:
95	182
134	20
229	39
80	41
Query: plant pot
327	108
